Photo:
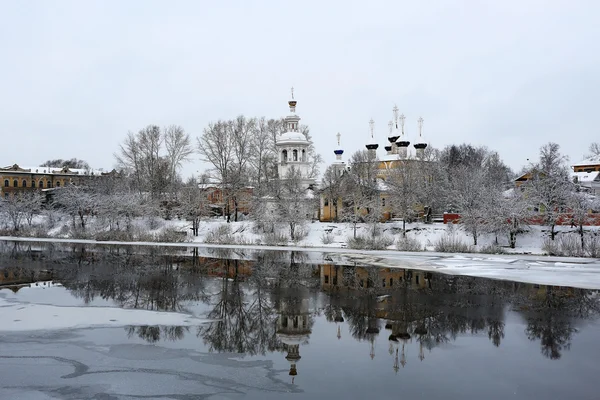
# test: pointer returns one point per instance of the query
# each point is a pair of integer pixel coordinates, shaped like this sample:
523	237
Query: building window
326	278
48	184
24	183
33	183
284	156
383	282
383	202
326	203
15	183
295	155
6	183
417	279
391	282
284	322
295	321
303	155
57	183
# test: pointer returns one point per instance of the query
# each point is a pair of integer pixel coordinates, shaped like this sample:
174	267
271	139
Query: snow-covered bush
451	244
327	238
172	235
368	242
408	244
221	235
492	249
569	245
274	239
592	246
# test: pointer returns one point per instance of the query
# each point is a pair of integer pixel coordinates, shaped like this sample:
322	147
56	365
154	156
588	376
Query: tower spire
338	151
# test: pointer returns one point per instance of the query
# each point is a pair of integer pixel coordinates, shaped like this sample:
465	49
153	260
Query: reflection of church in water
294	324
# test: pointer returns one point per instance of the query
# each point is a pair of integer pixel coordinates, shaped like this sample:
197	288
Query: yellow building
14	179
397	155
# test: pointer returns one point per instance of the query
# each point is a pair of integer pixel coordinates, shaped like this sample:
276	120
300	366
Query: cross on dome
372	127
338	136
420	124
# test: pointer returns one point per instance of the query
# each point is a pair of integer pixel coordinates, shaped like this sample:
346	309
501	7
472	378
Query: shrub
451	244
362	242
327	238
171	235
492	249
275	239
408	244
592	246
569	245
221	235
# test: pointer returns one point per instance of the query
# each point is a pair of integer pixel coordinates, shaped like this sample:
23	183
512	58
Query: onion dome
420	145
372	145
403	139
339	151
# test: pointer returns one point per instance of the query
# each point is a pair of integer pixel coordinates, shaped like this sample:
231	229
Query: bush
569	245
362	242
327	238
221	235
408	244
592	246
275	239
171	235
451	244
492	249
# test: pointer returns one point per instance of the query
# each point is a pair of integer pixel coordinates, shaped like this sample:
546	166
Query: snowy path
560	271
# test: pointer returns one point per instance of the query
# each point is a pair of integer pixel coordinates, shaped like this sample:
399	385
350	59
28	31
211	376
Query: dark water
285	326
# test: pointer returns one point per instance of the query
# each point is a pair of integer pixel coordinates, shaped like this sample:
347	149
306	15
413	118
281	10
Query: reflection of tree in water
153	334
551	315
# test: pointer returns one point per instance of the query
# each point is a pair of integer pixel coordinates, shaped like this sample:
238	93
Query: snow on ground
23	316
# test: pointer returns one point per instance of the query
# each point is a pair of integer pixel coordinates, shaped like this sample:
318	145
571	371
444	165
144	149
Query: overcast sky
76	76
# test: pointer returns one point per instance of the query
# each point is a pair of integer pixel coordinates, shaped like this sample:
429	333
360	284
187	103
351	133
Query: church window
326	203
391	282
284	156
383	282
284	322
417	279
33	183
48	184
57	183
15	183
24	183
295	155
303	155
383	201
6	183
326	278
295	321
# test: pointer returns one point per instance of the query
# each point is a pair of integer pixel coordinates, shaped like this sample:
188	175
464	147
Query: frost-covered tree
580	205
509	213
73	163
80	202
361	190
21	207
549	188
293	203
594	149
404	183
332	189
193	204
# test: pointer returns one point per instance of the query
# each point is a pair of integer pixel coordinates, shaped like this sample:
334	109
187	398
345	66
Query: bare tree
332	189
595	149
549	187
292	203
193	205
153	156
361	189
404	184
179	149
215	146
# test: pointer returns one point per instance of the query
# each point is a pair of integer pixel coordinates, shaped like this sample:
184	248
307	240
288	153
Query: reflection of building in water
225	267
16	278
294	328
351	277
